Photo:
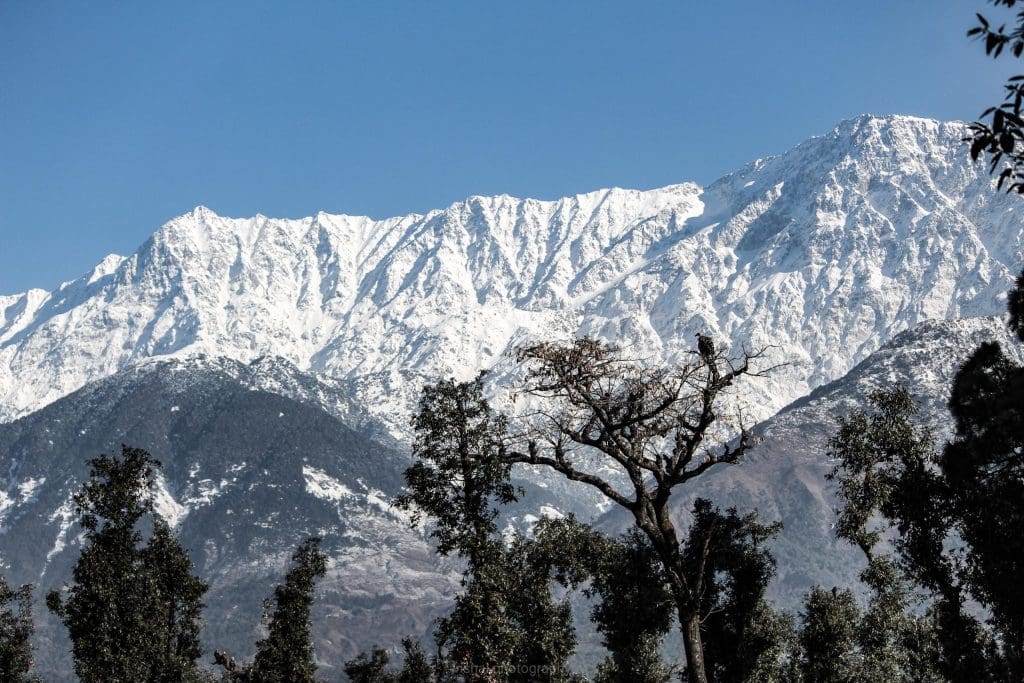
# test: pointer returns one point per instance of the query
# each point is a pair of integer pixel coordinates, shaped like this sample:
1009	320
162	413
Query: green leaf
1006	143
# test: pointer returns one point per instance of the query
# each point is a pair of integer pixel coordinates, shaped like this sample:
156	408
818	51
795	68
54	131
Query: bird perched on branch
706	346
225	660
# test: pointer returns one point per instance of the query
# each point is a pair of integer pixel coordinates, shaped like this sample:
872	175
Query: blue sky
115	117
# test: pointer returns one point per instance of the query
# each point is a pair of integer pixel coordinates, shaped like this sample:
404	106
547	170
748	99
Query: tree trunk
660	530
690	624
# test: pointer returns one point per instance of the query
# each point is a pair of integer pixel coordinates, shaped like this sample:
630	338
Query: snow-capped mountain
824	252
242	351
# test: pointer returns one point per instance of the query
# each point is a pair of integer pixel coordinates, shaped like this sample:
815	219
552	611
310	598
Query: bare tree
659	426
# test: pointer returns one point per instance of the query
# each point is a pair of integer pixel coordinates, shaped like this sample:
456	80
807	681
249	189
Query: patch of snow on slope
203	492
26	493
550	512
322	485
66	514
165	505
6	503
28	488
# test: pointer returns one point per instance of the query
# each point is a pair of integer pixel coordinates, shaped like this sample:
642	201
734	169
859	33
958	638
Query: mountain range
272	365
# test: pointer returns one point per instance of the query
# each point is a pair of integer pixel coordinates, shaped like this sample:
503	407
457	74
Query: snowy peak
824	252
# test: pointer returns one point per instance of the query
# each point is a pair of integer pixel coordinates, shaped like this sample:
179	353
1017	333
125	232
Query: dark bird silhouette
225	660
706	346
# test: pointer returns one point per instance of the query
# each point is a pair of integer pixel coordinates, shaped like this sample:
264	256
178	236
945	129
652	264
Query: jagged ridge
825	251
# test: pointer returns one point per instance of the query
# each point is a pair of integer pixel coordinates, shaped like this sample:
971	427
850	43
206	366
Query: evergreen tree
634	612
983	490
769	651
373	667
633	609
828	636
286	654
16	631
370	668
178	593
477	638
543	630
1015	307
987	456
895	642
505	625
416	667
890	476
126	620
744	639
886	641
459	476
458	479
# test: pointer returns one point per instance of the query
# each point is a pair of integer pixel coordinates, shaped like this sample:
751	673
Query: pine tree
179	595
286	654
16	631
828	636
117	609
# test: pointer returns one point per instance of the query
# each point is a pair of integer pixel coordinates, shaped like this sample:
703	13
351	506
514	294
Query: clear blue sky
115	117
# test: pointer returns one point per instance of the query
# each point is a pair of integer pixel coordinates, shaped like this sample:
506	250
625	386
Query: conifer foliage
133	610
505	624
286	654
16	630
633	608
